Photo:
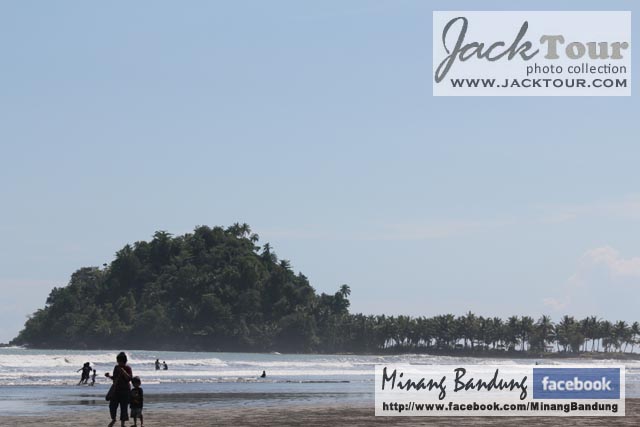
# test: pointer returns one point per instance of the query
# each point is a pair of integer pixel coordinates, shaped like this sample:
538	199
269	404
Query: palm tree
401	330
635	333
422	332
445	330
526	329
563	332
468	326
345	291
483	332
569	334
497	332
596	326
545	331
589	328
239	230
605	333
511	332
286	264
621	334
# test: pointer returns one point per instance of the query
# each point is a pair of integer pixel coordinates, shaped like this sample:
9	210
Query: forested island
217	289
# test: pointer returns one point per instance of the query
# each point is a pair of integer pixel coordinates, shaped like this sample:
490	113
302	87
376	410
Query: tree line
477	334
217	289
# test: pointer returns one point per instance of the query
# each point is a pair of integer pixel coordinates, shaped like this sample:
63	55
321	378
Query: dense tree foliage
216	289
471	334
210	289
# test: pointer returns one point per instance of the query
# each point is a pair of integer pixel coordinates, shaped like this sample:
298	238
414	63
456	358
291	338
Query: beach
309	416
39	387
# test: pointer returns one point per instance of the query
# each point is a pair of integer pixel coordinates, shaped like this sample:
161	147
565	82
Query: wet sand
310	416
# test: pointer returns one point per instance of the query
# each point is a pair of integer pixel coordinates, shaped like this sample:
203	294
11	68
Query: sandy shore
312	416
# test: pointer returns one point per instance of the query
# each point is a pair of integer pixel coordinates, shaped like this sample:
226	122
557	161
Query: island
218	289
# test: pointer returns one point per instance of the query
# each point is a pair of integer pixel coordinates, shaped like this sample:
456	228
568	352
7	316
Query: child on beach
93	377
136	401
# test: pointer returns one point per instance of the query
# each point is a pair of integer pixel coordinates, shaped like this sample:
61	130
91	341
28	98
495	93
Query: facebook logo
576	383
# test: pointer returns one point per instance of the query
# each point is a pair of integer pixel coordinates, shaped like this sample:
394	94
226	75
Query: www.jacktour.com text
578	83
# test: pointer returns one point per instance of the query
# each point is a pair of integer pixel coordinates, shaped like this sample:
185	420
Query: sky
313	122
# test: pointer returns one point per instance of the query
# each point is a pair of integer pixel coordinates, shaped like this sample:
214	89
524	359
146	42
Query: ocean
38	381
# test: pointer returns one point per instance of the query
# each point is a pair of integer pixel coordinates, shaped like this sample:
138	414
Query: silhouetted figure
136	401
86	370
121	378
157	364
93	377
264	374
164	366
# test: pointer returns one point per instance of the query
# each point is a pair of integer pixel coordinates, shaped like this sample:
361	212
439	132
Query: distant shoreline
491	354
486	354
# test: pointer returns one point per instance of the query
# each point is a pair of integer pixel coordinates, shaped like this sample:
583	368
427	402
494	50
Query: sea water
36	381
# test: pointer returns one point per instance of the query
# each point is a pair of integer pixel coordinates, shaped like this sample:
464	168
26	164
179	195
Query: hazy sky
314	123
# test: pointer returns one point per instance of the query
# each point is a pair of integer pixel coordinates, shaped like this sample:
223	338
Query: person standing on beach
121	378
137	401
157	364
93	377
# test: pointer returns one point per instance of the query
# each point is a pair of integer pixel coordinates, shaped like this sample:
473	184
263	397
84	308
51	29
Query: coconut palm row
472	333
